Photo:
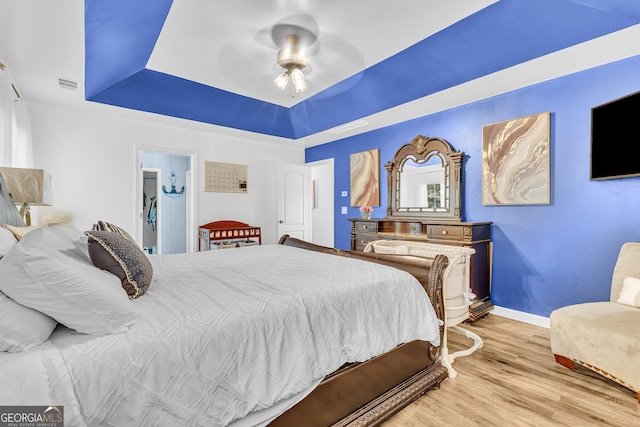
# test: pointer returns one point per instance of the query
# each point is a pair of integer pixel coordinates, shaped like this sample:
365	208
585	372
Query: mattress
223	335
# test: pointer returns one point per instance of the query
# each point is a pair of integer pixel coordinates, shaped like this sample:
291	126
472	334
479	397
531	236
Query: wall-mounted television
615	138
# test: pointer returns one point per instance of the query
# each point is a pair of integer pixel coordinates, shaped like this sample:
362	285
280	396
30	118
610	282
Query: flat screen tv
615	138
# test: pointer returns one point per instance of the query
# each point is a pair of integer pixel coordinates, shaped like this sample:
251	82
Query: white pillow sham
22	328
630	293
49	270
7	240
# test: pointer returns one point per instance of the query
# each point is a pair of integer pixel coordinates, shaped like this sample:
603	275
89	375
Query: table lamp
31	187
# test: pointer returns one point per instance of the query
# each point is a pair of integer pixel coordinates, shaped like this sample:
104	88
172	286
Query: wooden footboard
366	394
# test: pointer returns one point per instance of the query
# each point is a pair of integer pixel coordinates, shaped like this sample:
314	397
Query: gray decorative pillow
113	252
106	226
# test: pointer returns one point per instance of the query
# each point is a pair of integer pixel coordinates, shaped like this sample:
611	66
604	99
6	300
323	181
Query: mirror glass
422	185
424	180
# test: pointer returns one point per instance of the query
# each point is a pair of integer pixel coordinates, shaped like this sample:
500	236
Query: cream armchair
604	336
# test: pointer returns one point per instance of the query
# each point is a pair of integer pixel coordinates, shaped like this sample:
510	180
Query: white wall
91	157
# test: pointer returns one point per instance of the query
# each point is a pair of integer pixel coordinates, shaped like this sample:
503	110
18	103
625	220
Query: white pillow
22	328
7	240
49	270
630	293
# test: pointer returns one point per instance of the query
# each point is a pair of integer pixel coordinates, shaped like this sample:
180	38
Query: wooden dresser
476	235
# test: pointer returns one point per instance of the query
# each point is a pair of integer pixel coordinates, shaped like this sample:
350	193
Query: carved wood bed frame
368	393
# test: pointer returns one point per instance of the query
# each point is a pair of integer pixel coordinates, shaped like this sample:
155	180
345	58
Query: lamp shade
32	186
8	212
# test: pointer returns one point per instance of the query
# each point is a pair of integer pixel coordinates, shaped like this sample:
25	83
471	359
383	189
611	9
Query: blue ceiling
120	36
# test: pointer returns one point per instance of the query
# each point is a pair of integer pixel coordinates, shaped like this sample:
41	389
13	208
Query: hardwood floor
513	380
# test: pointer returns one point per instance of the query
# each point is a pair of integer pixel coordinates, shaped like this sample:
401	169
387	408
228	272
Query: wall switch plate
344	210
344	194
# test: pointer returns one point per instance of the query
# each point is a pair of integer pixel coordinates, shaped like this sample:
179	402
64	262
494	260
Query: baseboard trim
533	319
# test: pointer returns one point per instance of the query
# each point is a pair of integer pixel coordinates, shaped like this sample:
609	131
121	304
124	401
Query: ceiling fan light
282	80
300	85
297	75
297	78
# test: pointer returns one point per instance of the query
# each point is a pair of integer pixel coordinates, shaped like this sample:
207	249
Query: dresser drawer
445	232
366	227
408	228
363	239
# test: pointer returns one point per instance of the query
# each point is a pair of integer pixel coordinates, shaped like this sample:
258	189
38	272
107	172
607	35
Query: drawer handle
365	226
444	232
413	228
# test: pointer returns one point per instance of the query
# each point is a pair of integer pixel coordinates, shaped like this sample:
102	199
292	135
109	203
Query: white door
322	194
292	198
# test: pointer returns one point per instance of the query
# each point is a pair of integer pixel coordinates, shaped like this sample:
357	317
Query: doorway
165	202
305	201
151	189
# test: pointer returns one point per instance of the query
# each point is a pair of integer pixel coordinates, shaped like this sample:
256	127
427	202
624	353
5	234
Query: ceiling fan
296	37
284	50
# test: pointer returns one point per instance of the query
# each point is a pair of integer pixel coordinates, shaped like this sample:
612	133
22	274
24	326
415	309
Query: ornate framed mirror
424	181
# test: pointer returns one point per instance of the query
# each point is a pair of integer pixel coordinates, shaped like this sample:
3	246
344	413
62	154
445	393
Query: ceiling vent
67	84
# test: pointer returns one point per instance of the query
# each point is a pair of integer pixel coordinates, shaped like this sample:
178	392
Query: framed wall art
225	177
364	178
515	162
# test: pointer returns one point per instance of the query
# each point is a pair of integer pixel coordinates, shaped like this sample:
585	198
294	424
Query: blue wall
546	256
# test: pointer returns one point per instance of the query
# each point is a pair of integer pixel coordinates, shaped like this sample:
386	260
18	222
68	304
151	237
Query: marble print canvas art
364	173
515	162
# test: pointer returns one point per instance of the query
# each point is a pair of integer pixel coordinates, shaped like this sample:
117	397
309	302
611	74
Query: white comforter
224	333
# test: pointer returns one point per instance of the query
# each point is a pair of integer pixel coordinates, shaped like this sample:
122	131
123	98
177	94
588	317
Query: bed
281	335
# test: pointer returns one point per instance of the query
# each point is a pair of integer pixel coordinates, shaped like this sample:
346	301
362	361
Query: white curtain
15	129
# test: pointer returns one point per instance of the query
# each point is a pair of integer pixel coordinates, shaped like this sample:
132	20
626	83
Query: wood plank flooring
513	380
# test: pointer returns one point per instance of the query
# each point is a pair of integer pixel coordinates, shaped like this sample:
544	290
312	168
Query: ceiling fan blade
263	37
234	57
336	56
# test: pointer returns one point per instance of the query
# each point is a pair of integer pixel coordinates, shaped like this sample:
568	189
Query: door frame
191	230
157	172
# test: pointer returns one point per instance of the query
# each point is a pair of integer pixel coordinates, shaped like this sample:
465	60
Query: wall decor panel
364	173
515	162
